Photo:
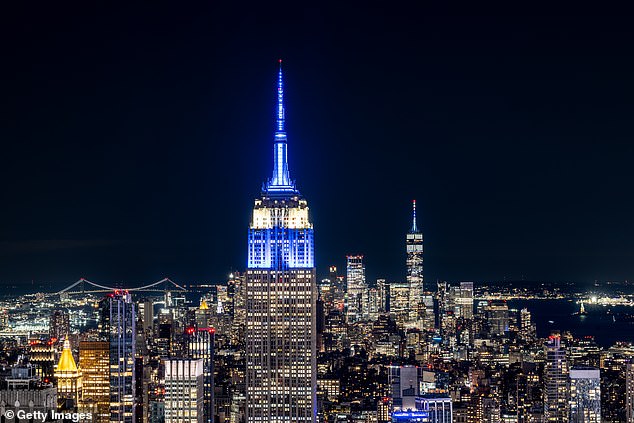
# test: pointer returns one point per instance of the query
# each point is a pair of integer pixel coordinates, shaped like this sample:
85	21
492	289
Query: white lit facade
184	390
414	247
357	301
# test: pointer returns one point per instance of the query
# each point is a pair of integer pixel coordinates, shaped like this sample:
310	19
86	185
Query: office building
59	325
280	297
69	379
585	395
414	262
94	360
463	300
497	315
119	326
399	302
629	391
404	382
555	381
42	352
200	345
356	288
23	387
184	390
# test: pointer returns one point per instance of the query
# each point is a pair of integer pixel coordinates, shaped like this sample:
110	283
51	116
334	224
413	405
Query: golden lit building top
66	361
203	305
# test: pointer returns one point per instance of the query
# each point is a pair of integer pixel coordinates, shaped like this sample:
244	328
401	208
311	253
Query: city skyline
516	170
444	235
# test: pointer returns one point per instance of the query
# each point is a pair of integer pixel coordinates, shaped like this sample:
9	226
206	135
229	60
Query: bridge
80	286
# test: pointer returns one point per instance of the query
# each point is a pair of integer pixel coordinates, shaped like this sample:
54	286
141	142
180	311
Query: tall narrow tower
414	245
119	325
356	290
280	297
629	391
555	381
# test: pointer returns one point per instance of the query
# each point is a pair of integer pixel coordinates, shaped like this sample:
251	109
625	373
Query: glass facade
356	302
414	247
555	382
121	329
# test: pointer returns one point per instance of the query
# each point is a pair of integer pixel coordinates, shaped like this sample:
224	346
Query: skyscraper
404	384
585	395
280	297
200	345
399	302
120	326
356	288
69	380
384	295
629	391
59	324
555	381
414	246
94	359
497	314
463	301
183	390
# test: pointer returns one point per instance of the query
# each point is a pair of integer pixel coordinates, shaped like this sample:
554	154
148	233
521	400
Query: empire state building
280	297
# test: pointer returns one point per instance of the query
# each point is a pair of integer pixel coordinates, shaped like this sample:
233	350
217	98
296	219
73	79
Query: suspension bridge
84	286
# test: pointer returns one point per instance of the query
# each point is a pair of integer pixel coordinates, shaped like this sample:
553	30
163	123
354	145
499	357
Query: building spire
280	130
280	182
414	226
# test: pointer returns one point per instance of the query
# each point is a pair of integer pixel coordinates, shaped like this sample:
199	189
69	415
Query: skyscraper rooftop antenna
280	182
414	226
280	130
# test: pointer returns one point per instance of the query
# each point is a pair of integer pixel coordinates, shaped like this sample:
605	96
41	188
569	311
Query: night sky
135	139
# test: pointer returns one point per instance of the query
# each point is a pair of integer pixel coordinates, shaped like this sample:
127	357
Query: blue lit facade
281	248
280	297
280	236
410	416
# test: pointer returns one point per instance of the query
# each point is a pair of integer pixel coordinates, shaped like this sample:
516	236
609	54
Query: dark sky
135	138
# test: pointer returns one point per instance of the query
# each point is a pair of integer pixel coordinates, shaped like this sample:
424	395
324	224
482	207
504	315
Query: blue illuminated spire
414	229
280	132
280	182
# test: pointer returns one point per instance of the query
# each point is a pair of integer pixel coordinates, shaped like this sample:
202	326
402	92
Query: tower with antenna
414	262
280	295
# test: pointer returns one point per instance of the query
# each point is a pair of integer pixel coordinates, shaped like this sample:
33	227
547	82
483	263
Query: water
598	322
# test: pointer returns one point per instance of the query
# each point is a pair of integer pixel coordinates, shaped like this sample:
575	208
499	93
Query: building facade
463	301
59	324
555	381
585	395
184	390
280	297
629	391
414	262
200	345
69	379
94	360
120	327
356	289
